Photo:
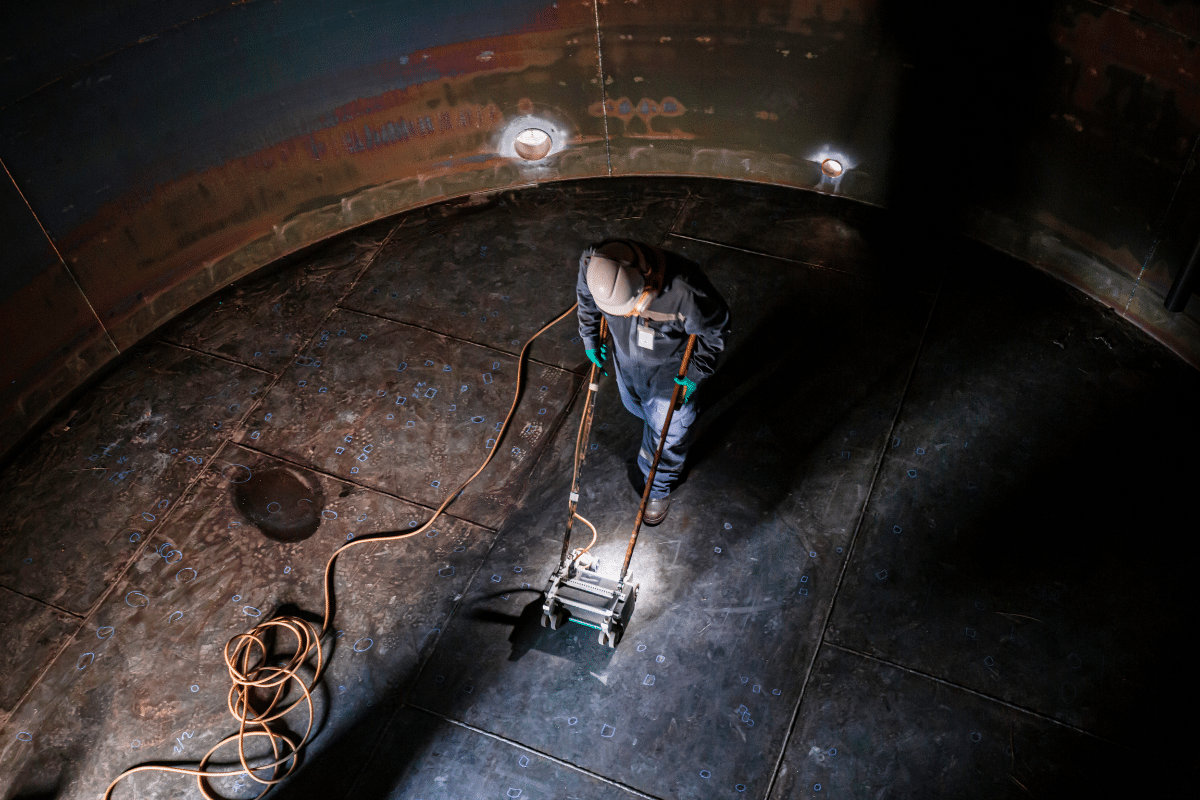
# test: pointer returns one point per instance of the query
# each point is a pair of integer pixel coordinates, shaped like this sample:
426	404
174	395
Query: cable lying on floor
248	658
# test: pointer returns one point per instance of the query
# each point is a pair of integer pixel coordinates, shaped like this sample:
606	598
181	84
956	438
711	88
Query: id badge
645	336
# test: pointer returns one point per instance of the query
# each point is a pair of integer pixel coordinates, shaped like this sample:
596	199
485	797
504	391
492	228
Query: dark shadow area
1082	501
37	794
1019	539
973	103
799	366
330	764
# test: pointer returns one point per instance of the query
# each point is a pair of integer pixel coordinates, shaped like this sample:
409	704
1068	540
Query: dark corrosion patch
282	503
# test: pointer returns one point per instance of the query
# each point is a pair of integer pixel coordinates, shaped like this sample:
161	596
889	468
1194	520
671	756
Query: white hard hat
616	285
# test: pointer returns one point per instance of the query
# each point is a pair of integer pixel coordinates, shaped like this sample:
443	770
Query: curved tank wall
154	152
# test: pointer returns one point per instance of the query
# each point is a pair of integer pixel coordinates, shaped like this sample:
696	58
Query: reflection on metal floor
928	544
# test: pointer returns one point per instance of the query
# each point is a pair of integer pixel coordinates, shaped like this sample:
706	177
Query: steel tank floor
929	544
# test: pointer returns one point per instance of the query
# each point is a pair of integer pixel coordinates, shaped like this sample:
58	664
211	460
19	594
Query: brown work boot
656	510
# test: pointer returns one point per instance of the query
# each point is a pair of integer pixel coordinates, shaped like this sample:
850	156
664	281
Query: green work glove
688	385
598	357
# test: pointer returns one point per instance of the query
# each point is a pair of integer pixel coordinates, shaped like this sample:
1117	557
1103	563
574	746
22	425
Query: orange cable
247	655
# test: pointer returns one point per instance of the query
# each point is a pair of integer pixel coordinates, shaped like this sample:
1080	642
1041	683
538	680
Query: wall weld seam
1146	20
603	93
1158	233
149	37
61	260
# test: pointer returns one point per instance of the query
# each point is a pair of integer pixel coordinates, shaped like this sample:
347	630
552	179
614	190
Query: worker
653	301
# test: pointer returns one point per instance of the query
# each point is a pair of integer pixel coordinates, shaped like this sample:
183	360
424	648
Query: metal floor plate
110	470
927	545
410	412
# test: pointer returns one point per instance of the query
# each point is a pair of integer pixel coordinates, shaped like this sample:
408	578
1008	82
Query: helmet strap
642	303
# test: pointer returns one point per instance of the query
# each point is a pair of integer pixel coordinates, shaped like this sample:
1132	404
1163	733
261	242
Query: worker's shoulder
680	266
685	275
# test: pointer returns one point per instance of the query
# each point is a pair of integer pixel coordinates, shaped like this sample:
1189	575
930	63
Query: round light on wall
532	144
831	167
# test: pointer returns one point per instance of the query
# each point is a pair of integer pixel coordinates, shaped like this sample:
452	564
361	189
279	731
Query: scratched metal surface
735	585
517	269
163	172
1015	540
807	227
409	411
99	479
311	122
422	756
34	632
809	77
56	339
264	322
43	42
144	679
1062	526
1111	105
868	730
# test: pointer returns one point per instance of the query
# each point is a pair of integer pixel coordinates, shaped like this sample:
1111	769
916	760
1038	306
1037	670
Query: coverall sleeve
589	314
708	318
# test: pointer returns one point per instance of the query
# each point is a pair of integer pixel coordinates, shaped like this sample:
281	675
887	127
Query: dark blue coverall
687	304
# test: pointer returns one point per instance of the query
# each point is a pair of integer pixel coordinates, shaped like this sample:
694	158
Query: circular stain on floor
284	504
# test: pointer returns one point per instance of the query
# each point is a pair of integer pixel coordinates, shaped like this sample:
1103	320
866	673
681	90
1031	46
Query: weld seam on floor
226	359
785	259
421	667
558	423
454	610
366	762
882	457
405	691
983	695
467	587
685	205
42	602
462	599
343	479
120	576
762	254
529	359
538	753
369	263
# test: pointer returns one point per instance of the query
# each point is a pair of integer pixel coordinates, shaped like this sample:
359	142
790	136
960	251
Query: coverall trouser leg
653	413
